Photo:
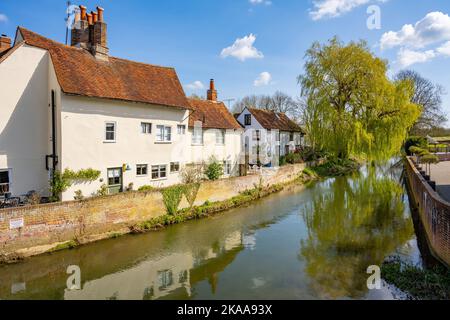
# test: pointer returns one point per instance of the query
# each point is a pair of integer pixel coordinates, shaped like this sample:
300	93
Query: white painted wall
230	151
268	136
24	119
84	146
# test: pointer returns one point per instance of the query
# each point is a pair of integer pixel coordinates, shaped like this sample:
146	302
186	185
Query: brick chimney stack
90	32
5	43
212	92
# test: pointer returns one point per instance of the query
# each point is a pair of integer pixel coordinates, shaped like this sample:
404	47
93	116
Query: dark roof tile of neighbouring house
80	73
212	115
271	120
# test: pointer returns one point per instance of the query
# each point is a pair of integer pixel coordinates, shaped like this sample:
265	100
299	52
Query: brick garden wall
26	227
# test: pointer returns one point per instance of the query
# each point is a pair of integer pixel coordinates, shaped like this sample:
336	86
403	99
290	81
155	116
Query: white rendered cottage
269	135
75	107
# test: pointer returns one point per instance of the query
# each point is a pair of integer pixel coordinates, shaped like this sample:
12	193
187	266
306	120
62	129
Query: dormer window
248	119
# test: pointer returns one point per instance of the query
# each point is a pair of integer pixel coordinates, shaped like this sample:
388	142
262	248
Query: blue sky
197	37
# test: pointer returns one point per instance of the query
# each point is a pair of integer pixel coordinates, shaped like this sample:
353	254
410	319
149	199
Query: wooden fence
434	213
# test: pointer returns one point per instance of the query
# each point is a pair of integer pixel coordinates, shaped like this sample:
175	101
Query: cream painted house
214	134
75	107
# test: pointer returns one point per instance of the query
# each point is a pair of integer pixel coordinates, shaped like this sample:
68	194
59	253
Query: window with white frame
181	129
159	172
110	131
197	136
220	137
163	134
174	167
146	128
141	170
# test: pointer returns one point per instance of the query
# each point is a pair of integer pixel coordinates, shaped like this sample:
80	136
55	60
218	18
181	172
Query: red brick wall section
434	213
60	222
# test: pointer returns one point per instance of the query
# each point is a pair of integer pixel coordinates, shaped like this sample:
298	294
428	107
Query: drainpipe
53	156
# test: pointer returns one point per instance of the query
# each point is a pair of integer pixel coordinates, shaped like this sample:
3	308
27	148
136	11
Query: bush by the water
336	167
172	197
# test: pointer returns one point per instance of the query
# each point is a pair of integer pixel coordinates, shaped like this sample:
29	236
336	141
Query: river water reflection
312	242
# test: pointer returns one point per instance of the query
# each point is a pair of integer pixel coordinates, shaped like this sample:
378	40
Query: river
307	242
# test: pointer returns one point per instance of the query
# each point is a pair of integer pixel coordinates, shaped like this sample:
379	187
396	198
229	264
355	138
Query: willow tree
351	107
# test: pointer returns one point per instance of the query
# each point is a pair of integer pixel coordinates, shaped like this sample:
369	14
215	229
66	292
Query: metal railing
434	213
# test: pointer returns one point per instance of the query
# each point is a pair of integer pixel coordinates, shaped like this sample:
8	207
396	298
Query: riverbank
82	222
418	283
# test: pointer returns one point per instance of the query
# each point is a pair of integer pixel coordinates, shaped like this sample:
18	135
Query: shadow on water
304	243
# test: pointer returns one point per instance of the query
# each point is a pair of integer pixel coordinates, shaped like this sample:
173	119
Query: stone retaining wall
26	227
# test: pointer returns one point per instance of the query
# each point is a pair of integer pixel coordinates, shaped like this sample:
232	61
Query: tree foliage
428	96
278	102
415	141
350	107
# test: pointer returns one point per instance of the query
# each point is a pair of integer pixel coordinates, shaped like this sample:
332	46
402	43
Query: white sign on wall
16	223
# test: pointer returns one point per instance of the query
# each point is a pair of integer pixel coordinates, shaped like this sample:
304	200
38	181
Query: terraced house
214	133
76	107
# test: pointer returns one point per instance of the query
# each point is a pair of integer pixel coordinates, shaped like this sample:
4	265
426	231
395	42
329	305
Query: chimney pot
89	18
212	92
100	11
83	13
94	17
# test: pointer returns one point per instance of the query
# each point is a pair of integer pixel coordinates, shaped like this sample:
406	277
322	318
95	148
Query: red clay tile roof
80	73
213	115
271	120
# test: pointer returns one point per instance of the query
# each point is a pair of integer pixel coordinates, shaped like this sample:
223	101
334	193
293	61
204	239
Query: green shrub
172	197
415	141
214	171
293	158
283	161
336	167
58	185
146	188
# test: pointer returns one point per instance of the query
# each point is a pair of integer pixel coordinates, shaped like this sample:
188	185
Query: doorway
115	180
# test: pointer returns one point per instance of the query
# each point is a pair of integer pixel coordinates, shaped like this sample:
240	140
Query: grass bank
422	284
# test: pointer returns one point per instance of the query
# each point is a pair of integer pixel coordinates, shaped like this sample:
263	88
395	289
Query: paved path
441	174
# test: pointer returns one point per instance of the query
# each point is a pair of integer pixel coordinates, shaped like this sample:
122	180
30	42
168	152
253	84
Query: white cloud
334	8
444	49
243	49
434	28
196	85
427	39
407	57
263	79
256	2
3	17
